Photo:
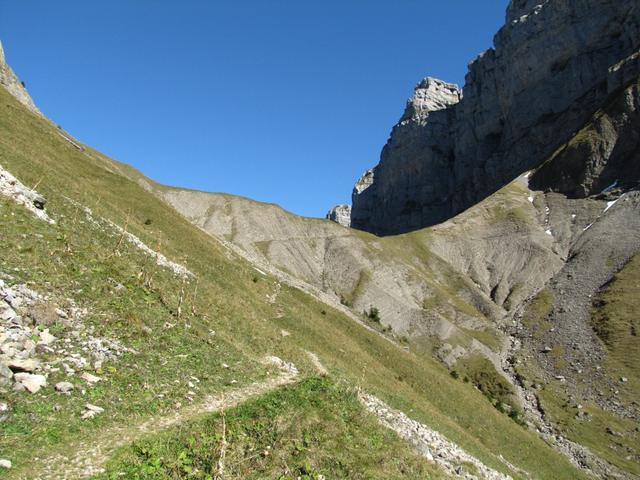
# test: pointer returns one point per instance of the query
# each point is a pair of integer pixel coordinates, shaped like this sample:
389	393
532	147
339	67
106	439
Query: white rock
22	365
4	463
89	378
94	408
31	382
64	387
46	338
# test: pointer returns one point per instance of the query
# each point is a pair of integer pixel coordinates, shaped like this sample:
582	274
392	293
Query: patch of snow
610	204
530	198
535	11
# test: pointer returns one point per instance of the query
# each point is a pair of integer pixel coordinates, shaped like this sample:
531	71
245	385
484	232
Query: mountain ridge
554	64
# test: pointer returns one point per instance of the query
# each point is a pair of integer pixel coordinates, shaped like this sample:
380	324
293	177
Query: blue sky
283	101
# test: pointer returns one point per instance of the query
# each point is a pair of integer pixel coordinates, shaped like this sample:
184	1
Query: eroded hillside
137	326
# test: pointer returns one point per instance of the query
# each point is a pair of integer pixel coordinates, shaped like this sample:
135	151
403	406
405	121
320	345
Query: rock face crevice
553	65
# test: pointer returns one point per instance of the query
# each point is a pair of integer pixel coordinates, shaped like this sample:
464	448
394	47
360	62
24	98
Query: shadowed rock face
605	154
554	64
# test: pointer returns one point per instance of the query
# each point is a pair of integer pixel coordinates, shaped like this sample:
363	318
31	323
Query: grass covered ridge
313	428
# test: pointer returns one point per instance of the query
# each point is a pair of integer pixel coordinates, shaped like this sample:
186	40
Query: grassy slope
228	301
305	430
614	317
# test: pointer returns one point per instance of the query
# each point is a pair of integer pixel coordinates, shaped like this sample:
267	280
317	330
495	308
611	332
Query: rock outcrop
340	214
14	86
554	64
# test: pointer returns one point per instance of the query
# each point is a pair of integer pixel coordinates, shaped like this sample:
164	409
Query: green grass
74	259
535	317
616	321
622	450
316	427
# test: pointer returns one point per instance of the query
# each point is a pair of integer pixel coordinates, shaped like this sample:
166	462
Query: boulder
31	382
22	365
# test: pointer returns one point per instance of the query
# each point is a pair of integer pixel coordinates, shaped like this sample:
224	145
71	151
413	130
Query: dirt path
87	459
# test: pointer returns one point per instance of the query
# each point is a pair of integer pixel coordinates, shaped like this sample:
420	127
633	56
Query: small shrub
454	374
345	301
517	416
373	314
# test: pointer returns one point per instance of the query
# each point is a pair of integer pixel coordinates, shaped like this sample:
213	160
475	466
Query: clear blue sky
284	101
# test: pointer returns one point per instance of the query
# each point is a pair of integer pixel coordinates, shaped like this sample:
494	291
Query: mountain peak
430	95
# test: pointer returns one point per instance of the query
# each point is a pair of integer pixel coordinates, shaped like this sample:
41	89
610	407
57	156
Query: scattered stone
8	314
624	379
428	442
546	349
91	411
89	378
4	463
46	338
64	387
33	383
5	374
20	365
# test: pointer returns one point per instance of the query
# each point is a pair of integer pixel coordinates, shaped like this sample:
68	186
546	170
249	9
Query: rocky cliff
553	65
340	214
14	86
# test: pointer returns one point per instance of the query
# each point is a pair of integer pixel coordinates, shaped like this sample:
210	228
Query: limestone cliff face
341	214
10	81
554	64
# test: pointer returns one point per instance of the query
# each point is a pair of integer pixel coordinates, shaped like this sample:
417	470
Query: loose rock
33	383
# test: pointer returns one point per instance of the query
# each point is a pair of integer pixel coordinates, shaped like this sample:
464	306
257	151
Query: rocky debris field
39	337
11	187
161	260
429	443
